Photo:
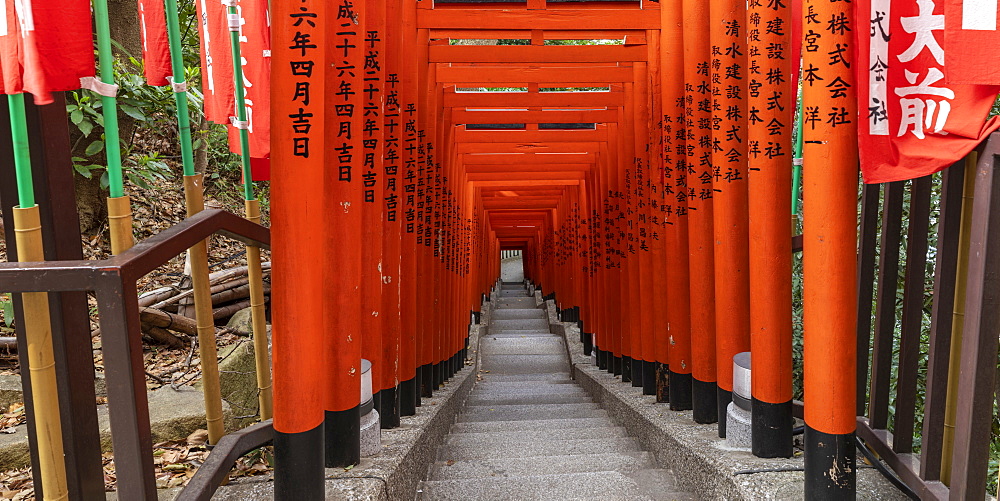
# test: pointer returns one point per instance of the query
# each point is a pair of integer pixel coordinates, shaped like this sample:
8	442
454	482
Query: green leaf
94	148
133	112
83	170
8	312
76	117
86	127
105	181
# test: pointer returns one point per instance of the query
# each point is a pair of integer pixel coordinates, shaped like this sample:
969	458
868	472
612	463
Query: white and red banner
45	46
218	83
155	44
216	61
914	120
971	33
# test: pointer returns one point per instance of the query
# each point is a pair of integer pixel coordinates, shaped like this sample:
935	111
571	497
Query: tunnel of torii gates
647	182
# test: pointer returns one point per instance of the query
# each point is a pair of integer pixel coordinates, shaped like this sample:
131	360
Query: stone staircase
528	431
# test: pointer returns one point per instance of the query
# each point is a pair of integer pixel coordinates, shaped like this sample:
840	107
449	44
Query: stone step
516	302
524	364
518	334
525	346
513	293
530	412
507	391
517	324
554	377
514	287
523	436
536	399
537	448
622	462
510	314
493	383
530	424
607	486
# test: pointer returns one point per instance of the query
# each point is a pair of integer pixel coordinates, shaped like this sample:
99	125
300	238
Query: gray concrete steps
624	462
536	448
516	302
527	424
524	412
529	432
558	377
535	435
536	399
515	313
519	324
553	345
606	485
518	334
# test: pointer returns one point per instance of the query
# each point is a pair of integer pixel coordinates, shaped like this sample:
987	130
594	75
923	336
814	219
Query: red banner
155	45
44	46
914	121
255	50
970	30
216	61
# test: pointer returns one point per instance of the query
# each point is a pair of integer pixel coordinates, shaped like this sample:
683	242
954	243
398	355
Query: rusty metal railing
113	280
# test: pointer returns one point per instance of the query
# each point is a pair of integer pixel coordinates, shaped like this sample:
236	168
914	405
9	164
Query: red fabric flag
914	122
216	61
155	45
44	46
970	30
255	50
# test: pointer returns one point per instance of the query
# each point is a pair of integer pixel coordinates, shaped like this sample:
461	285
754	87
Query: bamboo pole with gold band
257	318
254	274
119	205
120	223
958	317
194	201
37	325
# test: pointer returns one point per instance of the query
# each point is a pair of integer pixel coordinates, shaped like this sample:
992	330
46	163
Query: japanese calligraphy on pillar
392	151
346	55
305	74
410	161
770	102
728	67
915	121
372	116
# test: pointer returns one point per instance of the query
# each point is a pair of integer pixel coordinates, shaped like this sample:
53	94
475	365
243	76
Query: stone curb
407	451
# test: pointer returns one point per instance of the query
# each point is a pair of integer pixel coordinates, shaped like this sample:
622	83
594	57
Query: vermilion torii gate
639	153
646	179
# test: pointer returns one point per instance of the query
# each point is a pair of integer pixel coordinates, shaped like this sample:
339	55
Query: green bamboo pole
797	162
109	105
255	274
180	95
241	109
194	199
37	325
22	157
119	205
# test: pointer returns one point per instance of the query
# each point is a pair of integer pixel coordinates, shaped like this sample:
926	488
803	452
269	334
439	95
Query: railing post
979	338
128	407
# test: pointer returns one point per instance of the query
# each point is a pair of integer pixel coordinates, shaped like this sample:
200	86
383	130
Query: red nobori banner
971	33
155	45
913	121
44	46
255	51
216	61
